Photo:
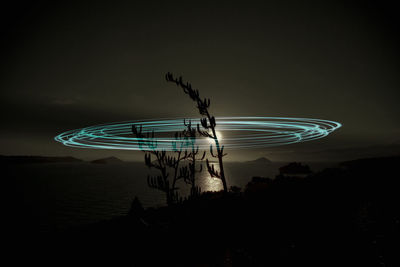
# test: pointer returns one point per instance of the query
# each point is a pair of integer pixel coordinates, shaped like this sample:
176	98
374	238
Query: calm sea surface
64	194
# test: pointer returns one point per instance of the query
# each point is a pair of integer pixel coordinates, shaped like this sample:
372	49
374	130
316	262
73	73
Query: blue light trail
236	133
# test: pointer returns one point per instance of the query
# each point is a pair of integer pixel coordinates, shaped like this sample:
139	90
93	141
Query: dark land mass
261	160
345	216
36	159
109	160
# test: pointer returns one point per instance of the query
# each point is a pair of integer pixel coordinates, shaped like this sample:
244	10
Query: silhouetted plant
148	144
183	149
295	168
180	154
208	123
188	173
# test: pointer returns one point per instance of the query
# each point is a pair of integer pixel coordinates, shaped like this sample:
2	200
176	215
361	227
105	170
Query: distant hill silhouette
262	160
352	153
379	162
109	160
37	159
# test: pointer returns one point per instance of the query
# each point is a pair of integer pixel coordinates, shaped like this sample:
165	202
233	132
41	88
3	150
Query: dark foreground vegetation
347	216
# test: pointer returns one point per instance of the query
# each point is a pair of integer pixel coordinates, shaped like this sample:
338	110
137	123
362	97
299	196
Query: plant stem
220	162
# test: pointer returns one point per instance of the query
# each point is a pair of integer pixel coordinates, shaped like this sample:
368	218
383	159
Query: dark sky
68	64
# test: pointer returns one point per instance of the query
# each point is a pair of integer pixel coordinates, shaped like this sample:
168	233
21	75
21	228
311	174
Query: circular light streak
237	133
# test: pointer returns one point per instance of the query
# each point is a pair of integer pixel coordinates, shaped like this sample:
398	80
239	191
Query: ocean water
60	195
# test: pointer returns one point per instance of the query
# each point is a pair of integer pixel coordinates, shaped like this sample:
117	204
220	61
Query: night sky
68	65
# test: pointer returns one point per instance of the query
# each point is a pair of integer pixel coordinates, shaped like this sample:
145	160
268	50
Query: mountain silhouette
262	160
109	160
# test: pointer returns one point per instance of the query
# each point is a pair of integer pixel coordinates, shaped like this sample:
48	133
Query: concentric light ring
237	133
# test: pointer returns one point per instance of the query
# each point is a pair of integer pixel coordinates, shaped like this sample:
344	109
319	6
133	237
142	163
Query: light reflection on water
209	184
204	181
